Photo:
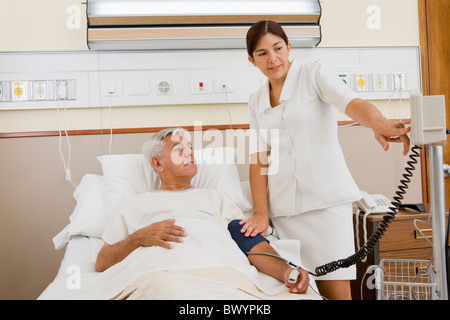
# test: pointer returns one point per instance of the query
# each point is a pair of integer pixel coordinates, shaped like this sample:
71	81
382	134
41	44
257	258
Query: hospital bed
124	175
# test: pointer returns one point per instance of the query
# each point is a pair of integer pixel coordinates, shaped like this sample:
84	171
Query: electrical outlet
61	89
19	90
223	85
361	82
111	88
398	81
379	82
40	90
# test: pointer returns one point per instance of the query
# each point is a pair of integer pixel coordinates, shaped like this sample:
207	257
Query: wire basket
400	279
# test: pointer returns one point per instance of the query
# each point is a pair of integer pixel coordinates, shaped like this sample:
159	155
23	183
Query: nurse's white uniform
310	189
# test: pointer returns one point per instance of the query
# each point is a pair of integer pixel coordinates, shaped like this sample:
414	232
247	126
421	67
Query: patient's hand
156	234
301	286
160	234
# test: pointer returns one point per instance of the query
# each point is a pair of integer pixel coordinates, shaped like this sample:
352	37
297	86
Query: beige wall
129	117
29	25
357	23
49	25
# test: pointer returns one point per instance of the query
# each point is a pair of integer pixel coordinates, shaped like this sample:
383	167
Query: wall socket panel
139	77
376	82
20	90
201	86
37	90
379	82
111	88
398	81
223	85
362	82
40	89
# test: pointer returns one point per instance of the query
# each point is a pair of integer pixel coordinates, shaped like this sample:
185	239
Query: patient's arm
109	255
266	264
277	268
156	234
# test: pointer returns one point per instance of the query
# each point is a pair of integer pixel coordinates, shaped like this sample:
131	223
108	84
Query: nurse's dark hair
259	29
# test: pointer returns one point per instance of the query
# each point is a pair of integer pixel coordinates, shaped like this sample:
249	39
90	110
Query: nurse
298	174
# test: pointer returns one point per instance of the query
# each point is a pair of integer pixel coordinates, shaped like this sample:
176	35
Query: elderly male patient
170	153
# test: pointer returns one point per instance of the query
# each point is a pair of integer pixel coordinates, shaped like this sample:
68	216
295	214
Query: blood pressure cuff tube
244	243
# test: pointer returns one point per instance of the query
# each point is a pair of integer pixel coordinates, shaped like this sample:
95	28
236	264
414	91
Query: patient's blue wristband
244	243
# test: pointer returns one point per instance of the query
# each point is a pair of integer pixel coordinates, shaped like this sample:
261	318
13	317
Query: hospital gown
142	210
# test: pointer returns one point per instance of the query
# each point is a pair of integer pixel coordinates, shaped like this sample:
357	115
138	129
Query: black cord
384	224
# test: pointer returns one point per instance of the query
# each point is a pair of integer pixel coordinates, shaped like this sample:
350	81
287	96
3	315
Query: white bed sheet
215	283
81	252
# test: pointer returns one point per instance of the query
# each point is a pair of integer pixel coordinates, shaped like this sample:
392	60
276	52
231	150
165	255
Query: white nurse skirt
325	235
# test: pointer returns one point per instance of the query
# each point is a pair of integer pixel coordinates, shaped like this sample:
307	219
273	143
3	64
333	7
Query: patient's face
178	157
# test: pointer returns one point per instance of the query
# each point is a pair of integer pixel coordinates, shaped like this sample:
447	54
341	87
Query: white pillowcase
89	217
125	175
216	169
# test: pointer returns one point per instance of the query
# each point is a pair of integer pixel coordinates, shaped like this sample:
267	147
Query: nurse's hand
387	131
256	224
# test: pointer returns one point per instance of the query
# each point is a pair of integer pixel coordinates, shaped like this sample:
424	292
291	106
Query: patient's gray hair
154	146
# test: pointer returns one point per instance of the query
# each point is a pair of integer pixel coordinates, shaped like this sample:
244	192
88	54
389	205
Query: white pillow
216	169
125	175
89	217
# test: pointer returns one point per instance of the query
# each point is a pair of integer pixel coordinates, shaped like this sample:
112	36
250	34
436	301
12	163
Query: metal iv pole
437	206
428	128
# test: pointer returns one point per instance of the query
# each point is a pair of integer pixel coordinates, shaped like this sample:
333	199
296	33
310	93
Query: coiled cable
383	226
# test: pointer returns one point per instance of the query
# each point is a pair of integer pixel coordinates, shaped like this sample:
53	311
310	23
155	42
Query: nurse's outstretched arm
259	222
385	130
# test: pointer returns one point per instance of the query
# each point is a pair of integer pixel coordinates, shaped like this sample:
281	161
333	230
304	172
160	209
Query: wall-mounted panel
146	78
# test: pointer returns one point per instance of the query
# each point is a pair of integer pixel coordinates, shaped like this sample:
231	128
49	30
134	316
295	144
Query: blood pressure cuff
244	243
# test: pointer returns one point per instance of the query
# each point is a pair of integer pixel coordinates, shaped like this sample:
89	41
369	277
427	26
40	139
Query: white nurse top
307	169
